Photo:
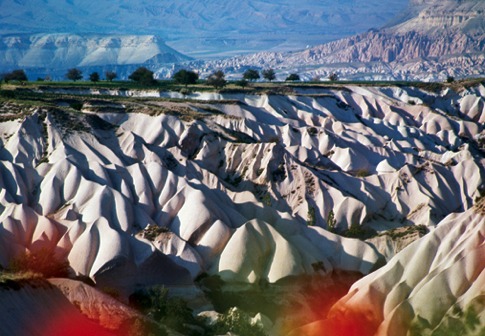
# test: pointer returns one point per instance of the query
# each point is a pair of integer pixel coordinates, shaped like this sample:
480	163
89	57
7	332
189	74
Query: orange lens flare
72	323
308	316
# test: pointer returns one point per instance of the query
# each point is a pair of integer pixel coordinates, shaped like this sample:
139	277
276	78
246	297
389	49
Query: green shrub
362	173
237	322
311	219
171	312
76	105
357	231
43	262
312	131
266	199
458	322
9	94
279	174
153	231
331	221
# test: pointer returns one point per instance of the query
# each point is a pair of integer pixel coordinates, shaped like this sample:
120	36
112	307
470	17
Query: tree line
144	76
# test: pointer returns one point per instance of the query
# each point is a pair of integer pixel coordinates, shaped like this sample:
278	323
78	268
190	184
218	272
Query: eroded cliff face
429	29
58	52
433	16
398	48
429	41
259	188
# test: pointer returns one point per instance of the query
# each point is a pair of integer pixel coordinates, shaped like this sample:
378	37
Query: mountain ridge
430	41
202	28
52	54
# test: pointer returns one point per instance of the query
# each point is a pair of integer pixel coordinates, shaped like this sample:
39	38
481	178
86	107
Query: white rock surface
235	190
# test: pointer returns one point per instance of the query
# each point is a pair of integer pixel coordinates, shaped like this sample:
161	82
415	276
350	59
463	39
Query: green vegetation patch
174	313
153	231
395	234
457	322
359	232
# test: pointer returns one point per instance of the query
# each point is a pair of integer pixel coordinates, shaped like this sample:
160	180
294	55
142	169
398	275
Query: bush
333	77
251	75
362	173
16	75
293	77
312	131
43	262
331	221
139	327
74	74
456	322
357	231
185	77
153	231
76	105
110	75
269	74
94	77
142	76
242	83
311	219
217	79
171	312
9	94
238	322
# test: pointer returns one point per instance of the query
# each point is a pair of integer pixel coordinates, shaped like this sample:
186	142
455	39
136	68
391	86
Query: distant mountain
431	40
52	54
203	28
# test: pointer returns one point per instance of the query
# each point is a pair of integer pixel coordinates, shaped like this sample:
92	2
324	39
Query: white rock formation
242	187
53	54
423	287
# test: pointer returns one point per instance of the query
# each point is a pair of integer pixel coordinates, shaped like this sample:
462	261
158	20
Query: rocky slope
254	188
52	54
432	40
40	308
435	286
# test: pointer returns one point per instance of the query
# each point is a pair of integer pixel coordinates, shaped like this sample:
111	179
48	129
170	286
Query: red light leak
72	323
317	296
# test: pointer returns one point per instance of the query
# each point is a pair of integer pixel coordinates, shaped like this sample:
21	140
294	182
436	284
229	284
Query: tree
94	77
185	77
142	76
333	77
450	79
74	74
251	75
293	77
16	75
242	83
217	79
269	74
110	75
